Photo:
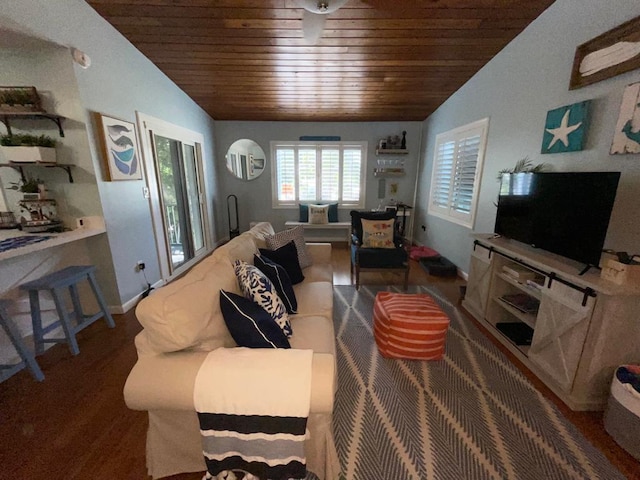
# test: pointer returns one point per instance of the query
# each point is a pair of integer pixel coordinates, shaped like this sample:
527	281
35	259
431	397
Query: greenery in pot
524	165
26	140
30	185
17	96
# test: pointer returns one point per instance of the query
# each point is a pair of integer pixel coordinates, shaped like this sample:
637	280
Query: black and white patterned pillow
280	279
297	235
257	287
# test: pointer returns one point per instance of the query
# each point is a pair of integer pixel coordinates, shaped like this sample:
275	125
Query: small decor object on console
626	138
565	128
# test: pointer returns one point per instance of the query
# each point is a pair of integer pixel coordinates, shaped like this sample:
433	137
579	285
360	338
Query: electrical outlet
140	266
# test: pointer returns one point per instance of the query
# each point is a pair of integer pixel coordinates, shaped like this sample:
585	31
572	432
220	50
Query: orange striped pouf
409	326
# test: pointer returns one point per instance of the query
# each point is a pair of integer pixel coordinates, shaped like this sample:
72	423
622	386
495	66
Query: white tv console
582	329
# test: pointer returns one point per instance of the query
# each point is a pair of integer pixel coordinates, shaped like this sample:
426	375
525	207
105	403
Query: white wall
254	197
516	89
119	82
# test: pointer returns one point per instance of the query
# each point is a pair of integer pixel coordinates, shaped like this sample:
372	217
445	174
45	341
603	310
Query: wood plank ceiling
377	60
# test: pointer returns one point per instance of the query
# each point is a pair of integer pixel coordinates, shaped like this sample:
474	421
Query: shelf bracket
66	168
57	119
19	167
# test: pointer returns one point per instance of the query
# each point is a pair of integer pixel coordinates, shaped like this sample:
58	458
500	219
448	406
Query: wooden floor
75	425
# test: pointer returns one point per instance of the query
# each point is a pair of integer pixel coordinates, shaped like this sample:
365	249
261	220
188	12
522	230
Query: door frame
149	125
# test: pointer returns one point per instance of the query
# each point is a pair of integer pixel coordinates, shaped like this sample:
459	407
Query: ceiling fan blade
312	26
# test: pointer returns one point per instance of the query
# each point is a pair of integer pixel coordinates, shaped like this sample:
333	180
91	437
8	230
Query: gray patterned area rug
471	415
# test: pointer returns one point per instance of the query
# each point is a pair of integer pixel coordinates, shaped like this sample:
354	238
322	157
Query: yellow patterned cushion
377	233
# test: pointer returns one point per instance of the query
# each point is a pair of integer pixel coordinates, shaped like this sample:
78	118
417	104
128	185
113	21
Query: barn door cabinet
571	330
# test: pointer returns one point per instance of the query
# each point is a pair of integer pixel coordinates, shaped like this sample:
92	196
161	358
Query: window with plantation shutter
311	172
457	165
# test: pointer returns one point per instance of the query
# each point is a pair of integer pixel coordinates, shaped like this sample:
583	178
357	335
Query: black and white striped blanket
254	420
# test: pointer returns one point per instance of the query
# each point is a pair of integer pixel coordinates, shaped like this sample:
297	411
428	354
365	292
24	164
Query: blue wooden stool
55	282
28	359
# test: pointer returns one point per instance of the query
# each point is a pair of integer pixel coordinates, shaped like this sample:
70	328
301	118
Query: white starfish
562	132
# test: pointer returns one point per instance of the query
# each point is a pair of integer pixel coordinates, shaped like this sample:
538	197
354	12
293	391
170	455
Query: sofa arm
320	253
166	382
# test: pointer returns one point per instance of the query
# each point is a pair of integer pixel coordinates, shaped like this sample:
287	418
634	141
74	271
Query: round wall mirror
246	159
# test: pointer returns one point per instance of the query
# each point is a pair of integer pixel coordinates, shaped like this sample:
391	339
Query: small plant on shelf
29	185
19	99
26	140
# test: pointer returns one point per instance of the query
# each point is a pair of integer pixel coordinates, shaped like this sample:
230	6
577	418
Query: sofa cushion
186	312
287	256
250	324
260	231
297	235
315	298
314	332
257	287
242	247
280	279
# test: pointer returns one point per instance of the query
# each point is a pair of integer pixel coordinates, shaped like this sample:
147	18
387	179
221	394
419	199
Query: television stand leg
587	268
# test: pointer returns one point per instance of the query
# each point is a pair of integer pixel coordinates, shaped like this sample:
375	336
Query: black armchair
366	254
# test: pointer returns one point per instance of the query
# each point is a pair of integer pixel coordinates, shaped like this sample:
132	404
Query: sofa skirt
174	445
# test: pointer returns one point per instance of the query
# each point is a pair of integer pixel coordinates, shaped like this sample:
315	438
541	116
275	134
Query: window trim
457	135
274	145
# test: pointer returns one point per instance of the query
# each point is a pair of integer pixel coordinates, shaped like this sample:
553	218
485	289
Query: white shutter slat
458	156
317	172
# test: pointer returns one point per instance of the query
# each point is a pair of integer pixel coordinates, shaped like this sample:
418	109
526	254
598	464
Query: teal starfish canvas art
565	128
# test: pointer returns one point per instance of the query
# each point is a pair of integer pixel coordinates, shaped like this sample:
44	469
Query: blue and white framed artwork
566	128
120	148
626	138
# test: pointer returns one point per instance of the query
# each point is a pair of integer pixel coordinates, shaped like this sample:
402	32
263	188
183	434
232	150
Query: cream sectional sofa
182	323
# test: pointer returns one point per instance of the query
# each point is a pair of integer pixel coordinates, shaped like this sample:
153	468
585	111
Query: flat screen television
563	213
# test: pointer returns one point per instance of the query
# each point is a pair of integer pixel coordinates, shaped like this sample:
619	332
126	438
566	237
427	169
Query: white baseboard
129	304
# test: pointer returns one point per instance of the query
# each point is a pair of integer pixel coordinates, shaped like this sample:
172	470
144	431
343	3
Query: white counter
89	230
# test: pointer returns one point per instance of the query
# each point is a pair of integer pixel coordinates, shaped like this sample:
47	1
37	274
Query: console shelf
580	327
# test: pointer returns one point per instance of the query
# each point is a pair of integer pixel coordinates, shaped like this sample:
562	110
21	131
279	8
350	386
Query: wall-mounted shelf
391	151
19	167
5	117
388	172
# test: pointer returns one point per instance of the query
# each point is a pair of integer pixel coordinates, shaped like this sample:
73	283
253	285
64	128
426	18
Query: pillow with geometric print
377	233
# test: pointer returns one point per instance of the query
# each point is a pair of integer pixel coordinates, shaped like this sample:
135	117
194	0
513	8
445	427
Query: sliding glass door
180	197
175	170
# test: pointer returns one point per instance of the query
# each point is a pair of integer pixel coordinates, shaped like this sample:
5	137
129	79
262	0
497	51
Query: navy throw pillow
304	212
280	279
287	256
250	325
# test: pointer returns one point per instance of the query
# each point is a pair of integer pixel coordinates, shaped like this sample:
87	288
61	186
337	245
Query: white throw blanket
254	419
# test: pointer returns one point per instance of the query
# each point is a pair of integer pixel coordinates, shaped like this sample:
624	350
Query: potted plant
31	188
28	148
19	99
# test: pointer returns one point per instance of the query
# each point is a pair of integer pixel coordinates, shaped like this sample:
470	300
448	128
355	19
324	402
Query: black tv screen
563	213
